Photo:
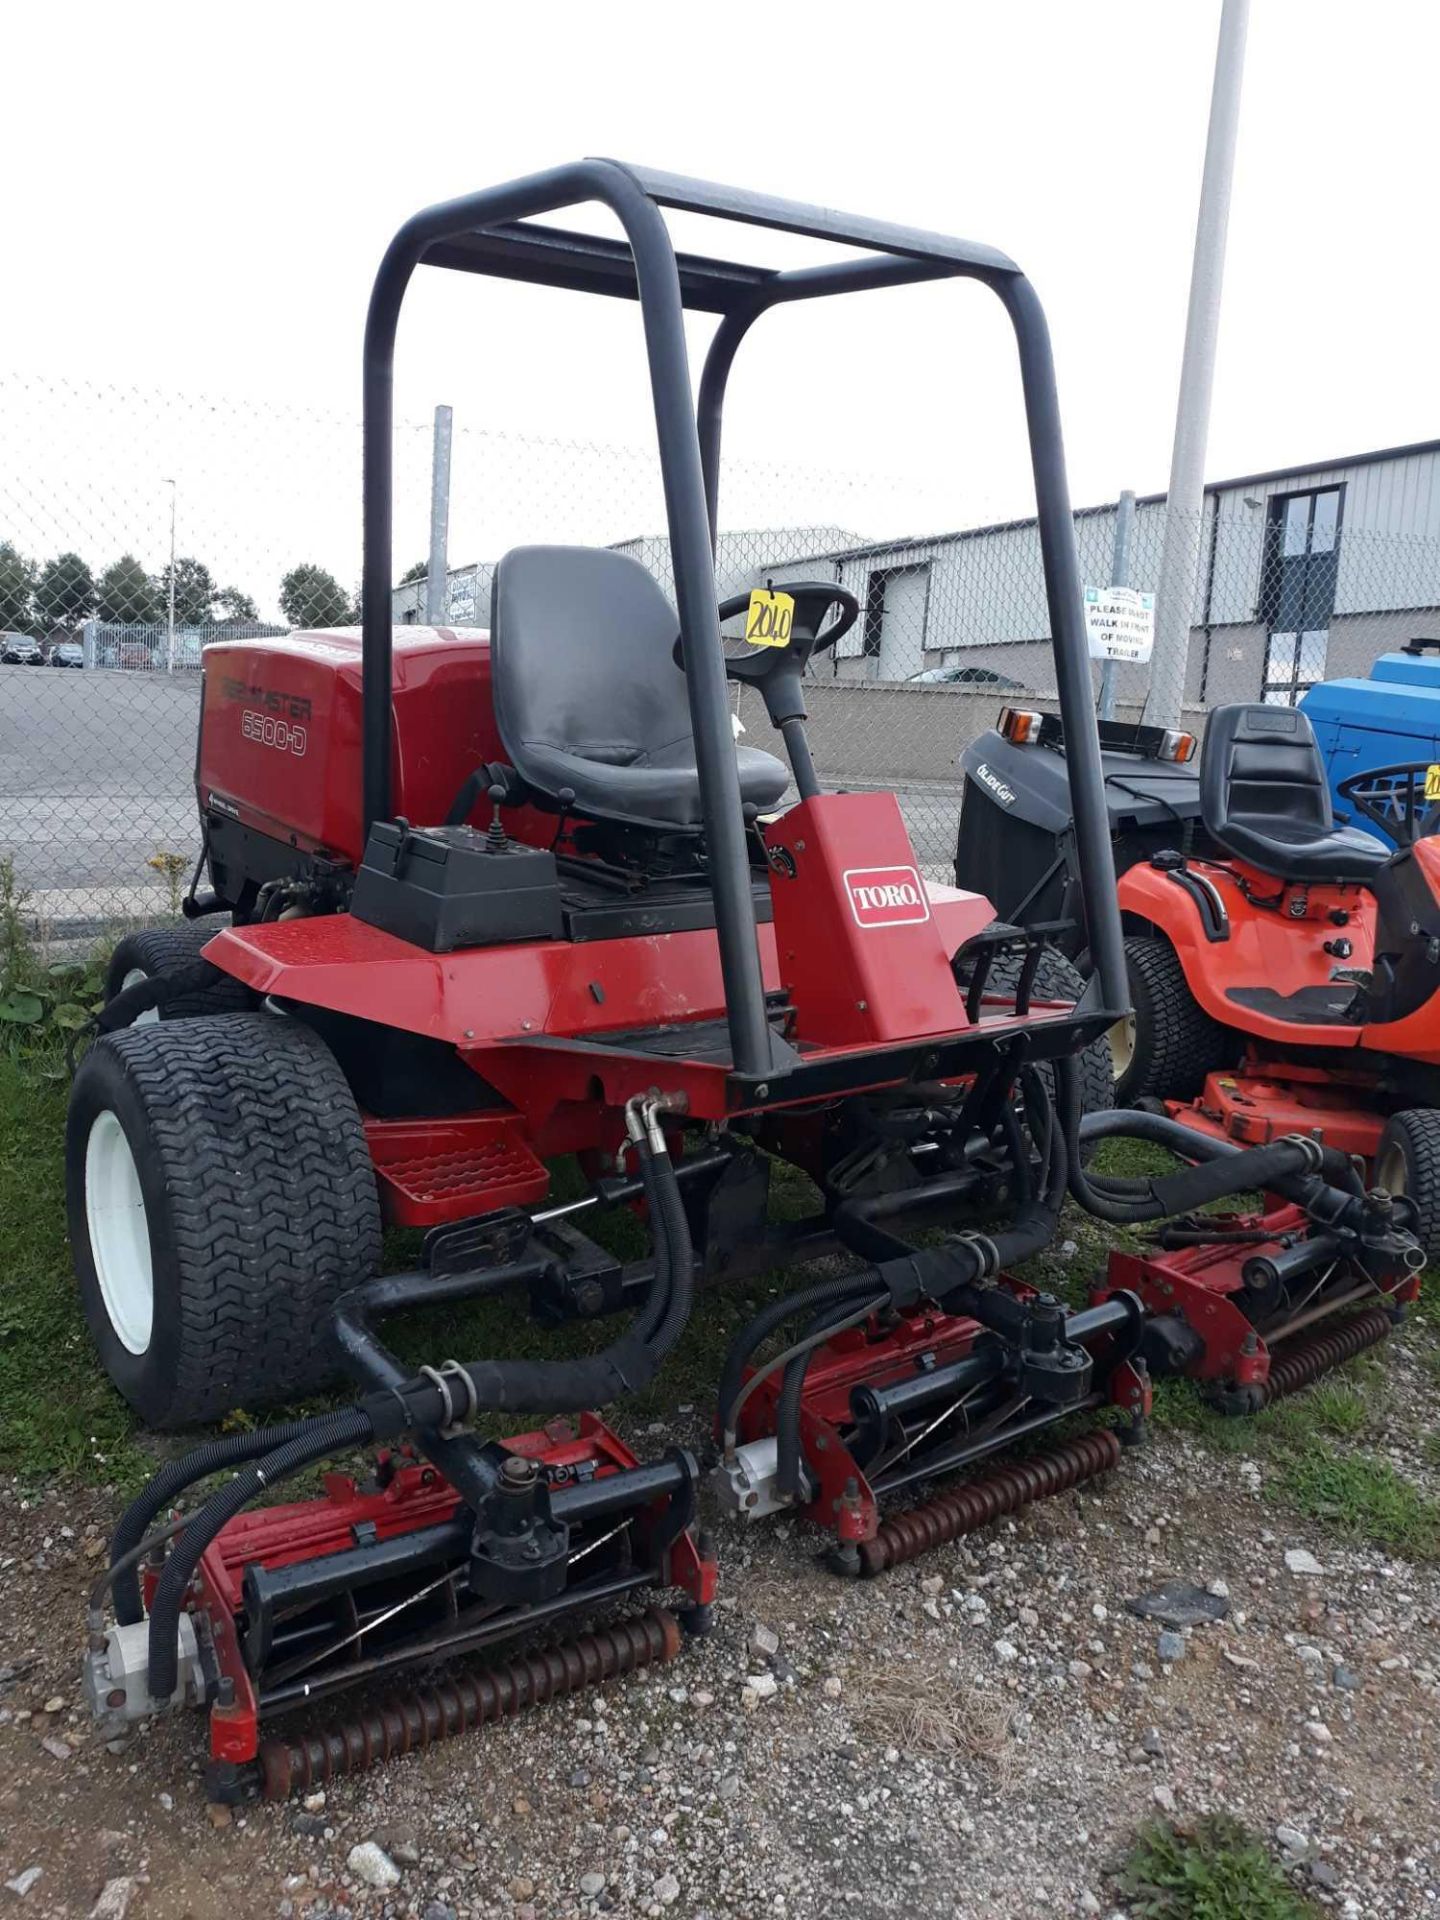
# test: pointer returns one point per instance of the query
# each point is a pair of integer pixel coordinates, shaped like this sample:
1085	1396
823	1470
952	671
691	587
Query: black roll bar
494	233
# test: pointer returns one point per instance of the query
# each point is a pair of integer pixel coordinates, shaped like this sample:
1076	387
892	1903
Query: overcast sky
197	198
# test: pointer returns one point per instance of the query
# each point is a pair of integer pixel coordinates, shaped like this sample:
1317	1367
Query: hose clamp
1314	1152
987	1252
448	1379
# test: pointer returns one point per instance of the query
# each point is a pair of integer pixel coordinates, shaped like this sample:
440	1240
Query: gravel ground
977	1734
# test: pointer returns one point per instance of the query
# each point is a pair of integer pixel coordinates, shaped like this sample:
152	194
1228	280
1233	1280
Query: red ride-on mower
498	899
1291	982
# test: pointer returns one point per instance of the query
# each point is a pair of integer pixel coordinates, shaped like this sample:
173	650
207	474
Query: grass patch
1354	1495
1212	1869
1359	1497
57	1410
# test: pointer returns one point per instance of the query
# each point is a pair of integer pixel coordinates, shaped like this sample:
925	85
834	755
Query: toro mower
503	898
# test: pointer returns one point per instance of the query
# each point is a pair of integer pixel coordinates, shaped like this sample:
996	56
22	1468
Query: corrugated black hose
329	1433
172	1479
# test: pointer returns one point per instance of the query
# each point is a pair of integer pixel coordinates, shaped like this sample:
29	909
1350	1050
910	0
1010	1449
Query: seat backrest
1260	766
581	656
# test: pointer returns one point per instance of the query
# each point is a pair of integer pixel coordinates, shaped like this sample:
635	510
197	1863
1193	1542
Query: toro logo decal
886	896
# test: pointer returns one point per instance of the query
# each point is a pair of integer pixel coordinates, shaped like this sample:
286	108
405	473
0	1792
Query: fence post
436	581
1119	577
1185	499
170	597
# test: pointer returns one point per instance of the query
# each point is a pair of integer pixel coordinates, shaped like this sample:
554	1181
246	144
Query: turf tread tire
1176	1041
1416	1131
260	1200
1057	978
157	951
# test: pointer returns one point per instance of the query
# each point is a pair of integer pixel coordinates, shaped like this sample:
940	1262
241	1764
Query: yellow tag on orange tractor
770	618
1432	783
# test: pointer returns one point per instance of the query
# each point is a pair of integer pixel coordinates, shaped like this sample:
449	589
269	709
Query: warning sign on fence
1121	624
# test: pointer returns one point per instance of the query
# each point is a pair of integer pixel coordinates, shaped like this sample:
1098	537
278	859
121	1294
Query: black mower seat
587	693
1264	797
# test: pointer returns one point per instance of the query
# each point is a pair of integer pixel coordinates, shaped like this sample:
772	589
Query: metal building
1306	573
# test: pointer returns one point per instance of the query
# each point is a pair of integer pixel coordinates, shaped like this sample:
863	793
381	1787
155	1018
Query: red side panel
861	949
484	994
1269	946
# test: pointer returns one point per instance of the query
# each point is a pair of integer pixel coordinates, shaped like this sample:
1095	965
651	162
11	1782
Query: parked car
67	653
958	676
19	650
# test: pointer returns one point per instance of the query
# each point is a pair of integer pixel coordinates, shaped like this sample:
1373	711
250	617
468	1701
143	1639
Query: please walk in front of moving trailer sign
1121	624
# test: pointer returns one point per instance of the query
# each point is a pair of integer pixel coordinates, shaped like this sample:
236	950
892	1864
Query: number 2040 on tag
769	618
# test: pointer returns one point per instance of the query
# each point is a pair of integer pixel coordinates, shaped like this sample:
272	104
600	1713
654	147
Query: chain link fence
103	637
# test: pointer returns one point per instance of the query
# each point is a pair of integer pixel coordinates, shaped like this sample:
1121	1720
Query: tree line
65	592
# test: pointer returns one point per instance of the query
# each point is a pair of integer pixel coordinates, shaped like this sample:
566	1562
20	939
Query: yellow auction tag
770	618
1432	783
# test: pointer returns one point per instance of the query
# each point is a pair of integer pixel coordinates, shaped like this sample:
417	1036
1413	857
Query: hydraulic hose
1295	1167
824	1293
172	1479
626	1366
788	1474
676	1221
400	1402
329	1433
945	1273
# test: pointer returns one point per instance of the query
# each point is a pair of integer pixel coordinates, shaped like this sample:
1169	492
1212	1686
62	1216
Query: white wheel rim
119	1233
151	1014
1122	1046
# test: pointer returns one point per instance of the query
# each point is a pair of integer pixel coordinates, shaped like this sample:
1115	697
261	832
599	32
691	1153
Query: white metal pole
436	581
1179	560
170	620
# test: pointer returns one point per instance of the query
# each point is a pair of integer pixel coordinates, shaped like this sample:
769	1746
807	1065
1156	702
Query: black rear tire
1173	1043
1057	978
1408	1162
155	952
224	1166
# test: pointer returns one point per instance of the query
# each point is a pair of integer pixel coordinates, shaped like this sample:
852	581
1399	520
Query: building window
1293	664
1297	589
1301	560
897	606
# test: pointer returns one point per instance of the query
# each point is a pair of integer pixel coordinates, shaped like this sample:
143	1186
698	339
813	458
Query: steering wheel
1399	808
813	600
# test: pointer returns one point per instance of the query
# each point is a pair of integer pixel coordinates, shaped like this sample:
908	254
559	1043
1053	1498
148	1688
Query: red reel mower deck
294	1604
503	897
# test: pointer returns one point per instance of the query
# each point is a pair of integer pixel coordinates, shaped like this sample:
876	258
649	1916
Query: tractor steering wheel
813	600
1393	799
